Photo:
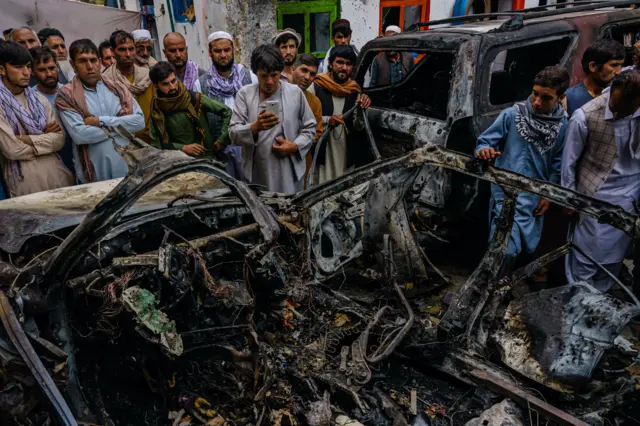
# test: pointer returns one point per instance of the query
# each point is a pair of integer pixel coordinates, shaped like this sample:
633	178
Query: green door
311	19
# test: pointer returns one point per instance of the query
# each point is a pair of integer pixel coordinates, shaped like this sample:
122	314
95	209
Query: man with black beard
222	82
30	135
44	67
393	66
178	116
287	41
338	93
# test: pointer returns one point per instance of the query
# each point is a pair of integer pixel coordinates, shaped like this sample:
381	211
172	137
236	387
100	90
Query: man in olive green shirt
179	117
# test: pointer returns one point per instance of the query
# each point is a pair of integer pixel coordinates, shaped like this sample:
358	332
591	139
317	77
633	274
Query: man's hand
335	120
265	121
26	140
364	101
488	154
283	148
193	149
543	206
52	127
92	121
217	146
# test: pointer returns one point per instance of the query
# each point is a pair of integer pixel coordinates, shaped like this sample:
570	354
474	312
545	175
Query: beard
339	79
226	67
141	60
49	83
602	83
170	94
289	60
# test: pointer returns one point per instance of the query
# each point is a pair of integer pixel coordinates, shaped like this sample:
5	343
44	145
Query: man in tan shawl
29	133
89	106
133	77
338	93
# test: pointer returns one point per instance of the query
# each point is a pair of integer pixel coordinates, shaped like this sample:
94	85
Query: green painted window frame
306	8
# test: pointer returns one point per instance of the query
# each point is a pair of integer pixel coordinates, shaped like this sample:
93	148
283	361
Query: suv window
513	69
627	35
412	81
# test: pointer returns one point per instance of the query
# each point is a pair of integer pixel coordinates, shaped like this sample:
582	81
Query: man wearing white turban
391	67
222	82
144	47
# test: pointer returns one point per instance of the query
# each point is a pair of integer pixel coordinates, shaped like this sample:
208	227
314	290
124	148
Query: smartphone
273	107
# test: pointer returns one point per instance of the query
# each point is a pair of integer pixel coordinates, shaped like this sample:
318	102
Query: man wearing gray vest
601	159
391	67
222	82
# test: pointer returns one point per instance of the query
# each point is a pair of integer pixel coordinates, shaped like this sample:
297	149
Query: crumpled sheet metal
557	336
150	173
340	223
385	213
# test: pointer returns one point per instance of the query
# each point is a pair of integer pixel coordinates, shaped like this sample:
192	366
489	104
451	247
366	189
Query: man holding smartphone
273	124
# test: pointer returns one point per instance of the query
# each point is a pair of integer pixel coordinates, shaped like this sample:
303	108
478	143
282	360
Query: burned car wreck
187	297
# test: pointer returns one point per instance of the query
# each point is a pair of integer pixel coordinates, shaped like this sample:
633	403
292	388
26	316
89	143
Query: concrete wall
364	16
250	22
441	9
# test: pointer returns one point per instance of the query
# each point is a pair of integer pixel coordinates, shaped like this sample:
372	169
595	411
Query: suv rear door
508	66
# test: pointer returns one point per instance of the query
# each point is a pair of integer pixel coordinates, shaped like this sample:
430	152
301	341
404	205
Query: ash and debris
221	316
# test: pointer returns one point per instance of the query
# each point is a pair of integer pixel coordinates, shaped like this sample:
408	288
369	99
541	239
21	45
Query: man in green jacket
179	117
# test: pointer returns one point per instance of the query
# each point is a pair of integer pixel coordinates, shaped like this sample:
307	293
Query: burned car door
509	67
433	95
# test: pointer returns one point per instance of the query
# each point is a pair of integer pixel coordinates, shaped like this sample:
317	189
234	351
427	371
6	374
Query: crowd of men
584	138
59	107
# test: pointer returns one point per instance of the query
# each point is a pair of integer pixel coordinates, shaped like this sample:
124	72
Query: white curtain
74	19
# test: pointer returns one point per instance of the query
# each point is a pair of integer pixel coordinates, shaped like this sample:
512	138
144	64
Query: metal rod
367	128
477	17
528	14
31	359
529	269
558	5
324	136
606	271
524	398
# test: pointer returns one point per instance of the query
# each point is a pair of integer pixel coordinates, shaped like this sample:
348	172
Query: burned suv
464	75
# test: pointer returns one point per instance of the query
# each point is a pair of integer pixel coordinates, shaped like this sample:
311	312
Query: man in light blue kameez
88	105
602	160
528	139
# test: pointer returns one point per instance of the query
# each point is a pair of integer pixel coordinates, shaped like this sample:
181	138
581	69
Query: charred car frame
239	306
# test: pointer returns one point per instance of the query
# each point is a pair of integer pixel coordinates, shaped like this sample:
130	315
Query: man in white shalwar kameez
601	159
273	146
